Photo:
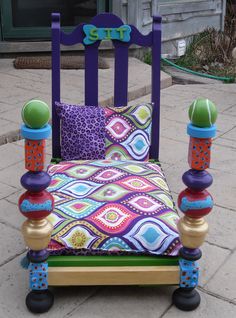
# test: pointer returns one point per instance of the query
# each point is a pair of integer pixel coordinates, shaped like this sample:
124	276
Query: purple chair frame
106	20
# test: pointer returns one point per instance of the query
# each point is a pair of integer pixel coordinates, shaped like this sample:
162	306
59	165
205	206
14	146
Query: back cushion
119	133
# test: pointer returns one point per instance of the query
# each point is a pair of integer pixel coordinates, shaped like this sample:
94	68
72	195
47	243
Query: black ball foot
186	299
39	301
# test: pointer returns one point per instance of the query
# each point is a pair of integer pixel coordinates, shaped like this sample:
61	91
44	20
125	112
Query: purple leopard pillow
82	132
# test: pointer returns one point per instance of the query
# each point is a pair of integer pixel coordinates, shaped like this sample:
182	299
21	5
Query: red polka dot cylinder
34	154
36	205
195	204
199	155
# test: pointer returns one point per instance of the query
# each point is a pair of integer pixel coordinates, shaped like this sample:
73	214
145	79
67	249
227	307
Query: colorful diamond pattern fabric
128	132
112	206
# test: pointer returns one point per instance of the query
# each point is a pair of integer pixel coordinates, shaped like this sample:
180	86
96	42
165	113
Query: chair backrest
121	47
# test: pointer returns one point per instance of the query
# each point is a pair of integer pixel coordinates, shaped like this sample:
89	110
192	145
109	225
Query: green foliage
211	50
147	58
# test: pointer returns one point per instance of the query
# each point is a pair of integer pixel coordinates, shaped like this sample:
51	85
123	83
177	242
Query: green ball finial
202	113
35	114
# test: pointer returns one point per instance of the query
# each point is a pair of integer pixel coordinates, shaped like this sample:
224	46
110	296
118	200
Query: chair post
36	204
195	201
56	34
156	88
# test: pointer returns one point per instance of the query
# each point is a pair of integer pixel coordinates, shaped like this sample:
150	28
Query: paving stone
175	101
225	123
15	95
9	131
6	190
13	115
174	130
231	111
227	88
172	151
4	126
223	189
19	143
222	100
225	142
120	302
11	175
207	267
10	154
227	139
210	307
231	134
10	214
223	282
190	92
222	224
174	114
142	99
223	159
12	243
14	288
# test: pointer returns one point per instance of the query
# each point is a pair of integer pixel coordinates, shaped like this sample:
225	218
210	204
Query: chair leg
39	301
186	299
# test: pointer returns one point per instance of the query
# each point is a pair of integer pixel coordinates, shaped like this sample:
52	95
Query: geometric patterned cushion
128	132
109	206
92	133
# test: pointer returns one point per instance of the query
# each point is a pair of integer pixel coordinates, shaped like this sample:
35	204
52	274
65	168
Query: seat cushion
109	206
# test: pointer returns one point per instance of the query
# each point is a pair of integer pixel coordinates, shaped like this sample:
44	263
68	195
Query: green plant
147	58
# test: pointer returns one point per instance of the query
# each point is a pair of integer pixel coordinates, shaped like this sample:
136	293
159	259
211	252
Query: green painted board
108	260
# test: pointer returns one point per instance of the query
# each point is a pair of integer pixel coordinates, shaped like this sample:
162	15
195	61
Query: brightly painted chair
112	222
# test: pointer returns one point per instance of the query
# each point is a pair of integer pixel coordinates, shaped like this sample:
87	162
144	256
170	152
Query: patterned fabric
112	206
128	132
119	133
82	132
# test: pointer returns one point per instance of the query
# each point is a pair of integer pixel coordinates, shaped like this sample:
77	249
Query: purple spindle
156	88
91	75
56	150
121	74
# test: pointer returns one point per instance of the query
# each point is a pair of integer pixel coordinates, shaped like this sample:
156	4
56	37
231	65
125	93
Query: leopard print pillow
82	132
